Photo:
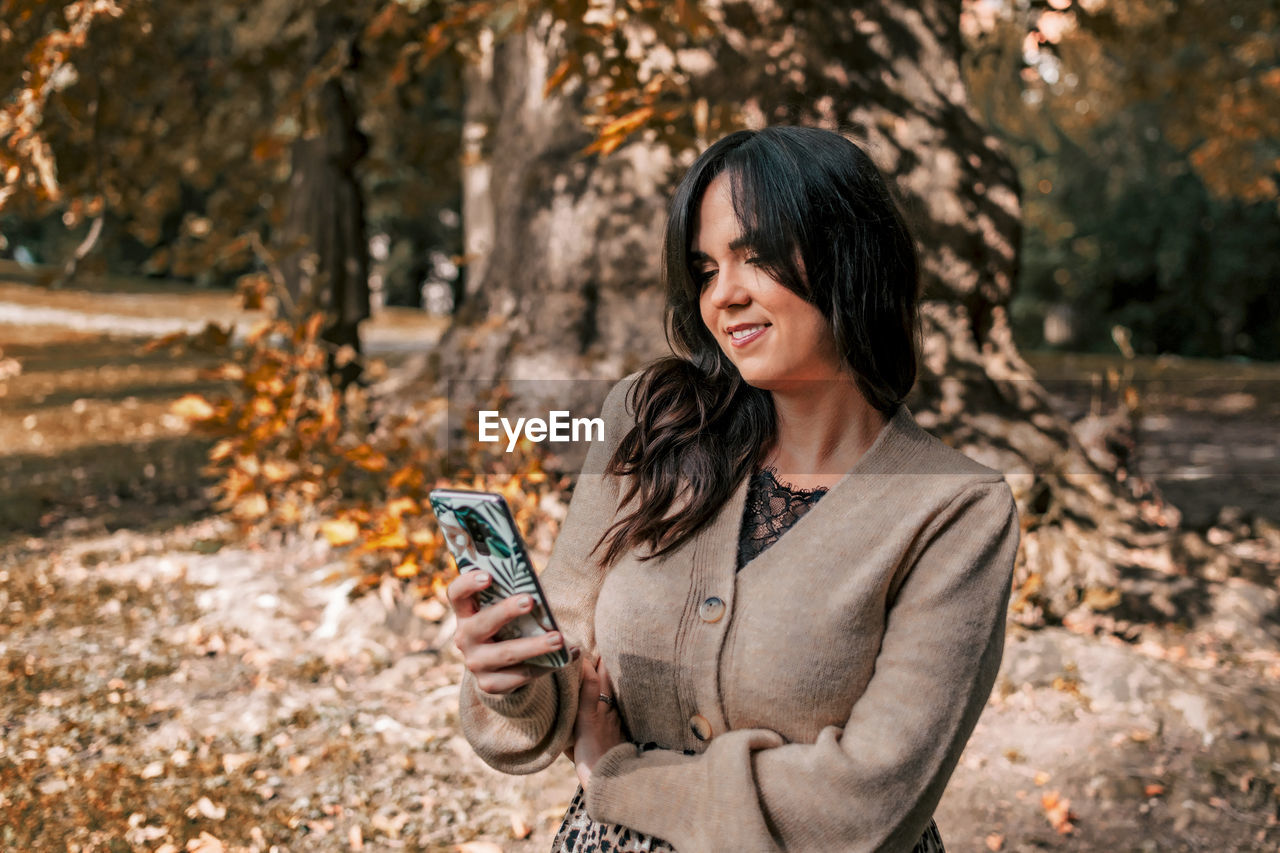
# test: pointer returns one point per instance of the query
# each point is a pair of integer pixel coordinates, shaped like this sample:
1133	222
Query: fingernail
526	603
554	640
482	578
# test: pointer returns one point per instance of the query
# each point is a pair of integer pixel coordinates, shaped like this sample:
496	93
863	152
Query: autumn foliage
295	452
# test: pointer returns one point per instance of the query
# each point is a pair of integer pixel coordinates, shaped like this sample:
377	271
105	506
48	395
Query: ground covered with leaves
168	686
171	692
178	691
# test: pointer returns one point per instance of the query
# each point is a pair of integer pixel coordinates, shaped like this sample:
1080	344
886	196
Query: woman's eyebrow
746	241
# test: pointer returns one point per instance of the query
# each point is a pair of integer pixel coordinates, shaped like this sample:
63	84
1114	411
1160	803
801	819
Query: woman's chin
764	382
791	385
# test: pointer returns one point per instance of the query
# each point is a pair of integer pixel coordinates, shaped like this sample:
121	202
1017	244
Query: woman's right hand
498	665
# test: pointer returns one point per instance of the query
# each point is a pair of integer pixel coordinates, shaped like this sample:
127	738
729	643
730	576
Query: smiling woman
773	335
790	598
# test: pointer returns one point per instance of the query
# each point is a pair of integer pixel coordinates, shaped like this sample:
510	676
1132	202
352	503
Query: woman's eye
703	277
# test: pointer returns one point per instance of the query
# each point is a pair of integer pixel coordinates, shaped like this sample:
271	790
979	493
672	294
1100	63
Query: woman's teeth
738	334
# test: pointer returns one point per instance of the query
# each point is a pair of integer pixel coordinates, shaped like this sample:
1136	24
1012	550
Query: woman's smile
743	334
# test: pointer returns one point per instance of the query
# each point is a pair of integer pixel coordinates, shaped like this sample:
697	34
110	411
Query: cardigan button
711	610
701	728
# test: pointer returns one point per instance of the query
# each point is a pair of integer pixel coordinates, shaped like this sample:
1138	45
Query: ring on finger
609	700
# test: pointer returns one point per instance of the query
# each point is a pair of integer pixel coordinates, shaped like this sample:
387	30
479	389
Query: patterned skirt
580	834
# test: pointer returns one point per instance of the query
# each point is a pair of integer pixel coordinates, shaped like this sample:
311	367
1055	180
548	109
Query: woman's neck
823	429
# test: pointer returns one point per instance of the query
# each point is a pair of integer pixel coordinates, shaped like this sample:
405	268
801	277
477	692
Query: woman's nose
728	287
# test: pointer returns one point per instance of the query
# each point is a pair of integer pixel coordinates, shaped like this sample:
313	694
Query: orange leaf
557	77
627	123
260	330
367	458
383	21
426	538
340	532
1058	810
409	476
166	341
275	472
248	463
193	407
403	506
251	507
394	541
407	569
605	144
310	329
222	450
289	513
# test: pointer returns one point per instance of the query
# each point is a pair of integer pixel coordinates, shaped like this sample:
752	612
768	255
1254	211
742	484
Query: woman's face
773	336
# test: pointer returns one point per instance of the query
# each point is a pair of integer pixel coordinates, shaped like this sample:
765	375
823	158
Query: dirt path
164	311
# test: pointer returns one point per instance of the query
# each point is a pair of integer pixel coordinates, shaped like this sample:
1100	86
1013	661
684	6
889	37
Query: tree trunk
326	265
565	276
562	251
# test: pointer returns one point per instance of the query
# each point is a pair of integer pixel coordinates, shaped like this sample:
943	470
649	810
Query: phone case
481	534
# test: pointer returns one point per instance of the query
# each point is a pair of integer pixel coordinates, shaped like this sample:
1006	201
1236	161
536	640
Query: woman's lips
746	339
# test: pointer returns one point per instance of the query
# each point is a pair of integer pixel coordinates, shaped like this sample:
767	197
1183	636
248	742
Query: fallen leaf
520	827
1058	810
193	407
206	843
205	808
1040	778
1154	789
152	770
340	532
250	507
356	838
995	841
49	787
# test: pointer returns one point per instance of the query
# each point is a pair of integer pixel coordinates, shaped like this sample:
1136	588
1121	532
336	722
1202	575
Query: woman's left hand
598	728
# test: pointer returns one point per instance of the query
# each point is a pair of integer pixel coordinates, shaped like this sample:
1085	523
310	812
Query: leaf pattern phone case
481	534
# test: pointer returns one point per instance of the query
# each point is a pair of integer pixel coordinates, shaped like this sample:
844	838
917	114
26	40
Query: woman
744	685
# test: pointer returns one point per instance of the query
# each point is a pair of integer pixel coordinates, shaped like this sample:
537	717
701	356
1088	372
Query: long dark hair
699	426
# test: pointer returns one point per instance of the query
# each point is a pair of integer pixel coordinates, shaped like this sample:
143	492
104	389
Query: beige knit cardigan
827	689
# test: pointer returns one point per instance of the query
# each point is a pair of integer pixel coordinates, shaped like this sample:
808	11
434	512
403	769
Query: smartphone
481	534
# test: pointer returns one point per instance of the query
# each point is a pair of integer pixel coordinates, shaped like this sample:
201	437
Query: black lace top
772	507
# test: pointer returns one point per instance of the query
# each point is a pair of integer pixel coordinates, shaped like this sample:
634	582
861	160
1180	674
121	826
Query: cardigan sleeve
873	784
526	730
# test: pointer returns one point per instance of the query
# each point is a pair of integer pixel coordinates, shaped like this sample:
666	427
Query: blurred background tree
208	140
1147	136
1144	133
